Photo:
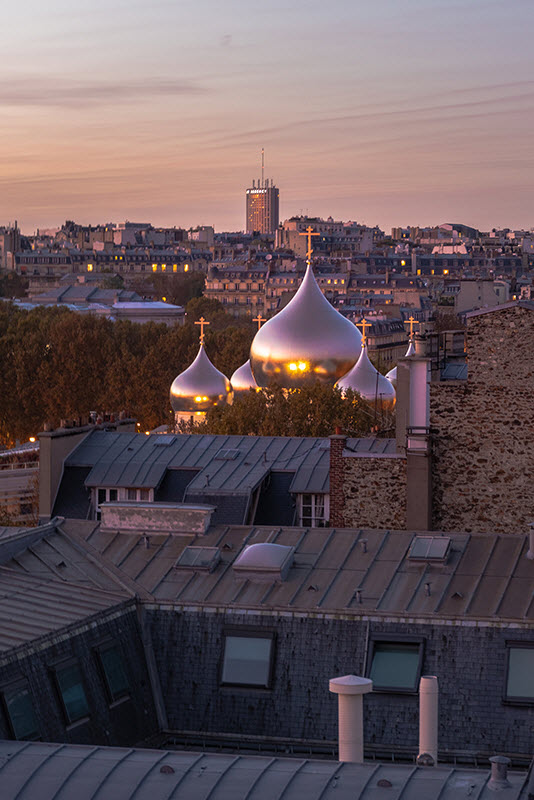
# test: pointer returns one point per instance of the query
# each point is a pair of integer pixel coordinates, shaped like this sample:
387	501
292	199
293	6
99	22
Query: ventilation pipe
350	690
499	773
530	553
428	721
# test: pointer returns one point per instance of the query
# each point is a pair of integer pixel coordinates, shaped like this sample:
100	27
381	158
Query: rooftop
39	771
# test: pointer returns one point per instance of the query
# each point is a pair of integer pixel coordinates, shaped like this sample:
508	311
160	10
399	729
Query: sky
384	112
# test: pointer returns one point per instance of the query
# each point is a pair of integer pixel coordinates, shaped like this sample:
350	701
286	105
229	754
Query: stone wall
483	429
374	492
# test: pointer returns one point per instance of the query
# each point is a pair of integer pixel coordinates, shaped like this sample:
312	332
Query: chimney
530	553
499	773
350	690
413	421
337	473
428	721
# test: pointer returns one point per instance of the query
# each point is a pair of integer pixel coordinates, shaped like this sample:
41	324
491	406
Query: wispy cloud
49	92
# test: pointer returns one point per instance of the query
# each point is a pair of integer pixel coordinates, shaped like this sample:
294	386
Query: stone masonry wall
483	430
374	492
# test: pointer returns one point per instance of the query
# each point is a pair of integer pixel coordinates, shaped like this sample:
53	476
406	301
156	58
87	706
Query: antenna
262	169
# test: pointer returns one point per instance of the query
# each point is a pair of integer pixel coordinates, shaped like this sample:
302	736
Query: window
20	713
314	510
72	693
520	672
247	660
113	672
138	495
394	665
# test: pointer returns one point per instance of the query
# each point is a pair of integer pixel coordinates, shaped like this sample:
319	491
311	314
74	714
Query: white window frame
319	505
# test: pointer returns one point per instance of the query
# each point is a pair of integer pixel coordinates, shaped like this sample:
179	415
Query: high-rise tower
262	205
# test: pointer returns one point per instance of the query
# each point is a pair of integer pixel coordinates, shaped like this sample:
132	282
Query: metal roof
352	572
39	771
135	460
34	605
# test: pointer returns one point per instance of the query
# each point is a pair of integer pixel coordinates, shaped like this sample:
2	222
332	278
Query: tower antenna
262	167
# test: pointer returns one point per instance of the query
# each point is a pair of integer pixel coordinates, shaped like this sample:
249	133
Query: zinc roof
39	771
339	571
135	460
33	605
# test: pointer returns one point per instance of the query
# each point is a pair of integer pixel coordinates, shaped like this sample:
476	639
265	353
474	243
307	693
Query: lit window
247	660
175	267
114	674
72	693
89	268
154	267
21	715
395	666
186	267
520	672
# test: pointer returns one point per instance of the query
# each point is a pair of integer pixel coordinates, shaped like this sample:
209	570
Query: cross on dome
202	322
411	321
309	233
363	324
259	319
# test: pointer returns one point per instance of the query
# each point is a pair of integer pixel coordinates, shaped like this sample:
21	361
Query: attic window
264	562
227	455
164	440
199	558
430	548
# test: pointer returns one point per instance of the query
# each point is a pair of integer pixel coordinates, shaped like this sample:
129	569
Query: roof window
430	548
163	440
199	558
227	455
264	562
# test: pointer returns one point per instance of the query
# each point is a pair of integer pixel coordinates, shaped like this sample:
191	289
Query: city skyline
388	115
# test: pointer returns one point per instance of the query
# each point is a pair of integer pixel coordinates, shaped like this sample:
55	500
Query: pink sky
380	112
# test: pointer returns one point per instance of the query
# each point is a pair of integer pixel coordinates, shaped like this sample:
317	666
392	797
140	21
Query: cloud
37	91
226	40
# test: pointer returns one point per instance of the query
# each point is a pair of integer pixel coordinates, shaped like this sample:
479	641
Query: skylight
199	558
265	561
227	455
429	548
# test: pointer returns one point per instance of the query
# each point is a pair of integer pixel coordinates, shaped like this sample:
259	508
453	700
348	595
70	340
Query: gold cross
309	233
259	319
364	324
411	322
202	322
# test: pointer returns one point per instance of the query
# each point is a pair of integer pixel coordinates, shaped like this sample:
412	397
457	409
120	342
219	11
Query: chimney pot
428	720
499	773
350	690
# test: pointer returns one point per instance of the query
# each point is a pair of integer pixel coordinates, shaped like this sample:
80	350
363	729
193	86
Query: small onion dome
243	380
307	341
392	374
200	386
368	382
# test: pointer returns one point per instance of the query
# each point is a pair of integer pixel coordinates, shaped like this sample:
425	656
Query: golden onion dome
243	380
392	374
368	382
307	341
200	387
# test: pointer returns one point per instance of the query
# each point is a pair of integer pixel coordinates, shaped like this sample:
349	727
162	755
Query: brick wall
483	442
337	472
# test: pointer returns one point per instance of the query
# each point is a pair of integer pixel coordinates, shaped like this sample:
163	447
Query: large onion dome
243	380
368	382
200	386
392	374
307	341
